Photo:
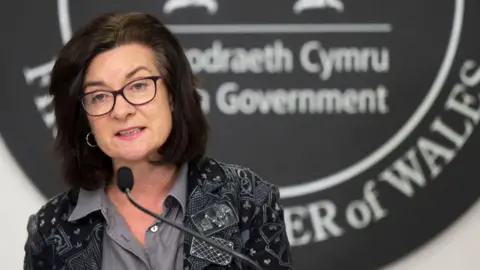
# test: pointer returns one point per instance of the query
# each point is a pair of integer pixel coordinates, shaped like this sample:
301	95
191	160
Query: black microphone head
124	179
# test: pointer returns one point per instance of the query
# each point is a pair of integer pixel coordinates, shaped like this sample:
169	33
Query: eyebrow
128	76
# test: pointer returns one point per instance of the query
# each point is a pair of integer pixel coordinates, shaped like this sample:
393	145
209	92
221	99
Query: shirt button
154	228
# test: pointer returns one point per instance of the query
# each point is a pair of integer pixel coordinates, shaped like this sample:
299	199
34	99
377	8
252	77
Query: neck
151	182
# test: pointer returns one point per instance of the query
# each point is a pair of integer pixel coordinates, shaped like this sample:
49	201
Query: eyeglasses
137	92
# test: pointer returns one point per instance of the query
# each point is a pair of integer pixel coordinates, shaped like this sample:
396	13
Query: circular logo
362	113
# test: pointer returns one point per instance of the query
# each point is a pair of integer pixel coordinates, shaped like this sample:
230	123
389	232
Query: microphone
125	184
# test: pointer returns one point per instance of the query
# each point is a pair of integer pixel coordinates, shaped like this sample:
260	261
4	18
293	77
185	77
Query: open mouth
129	132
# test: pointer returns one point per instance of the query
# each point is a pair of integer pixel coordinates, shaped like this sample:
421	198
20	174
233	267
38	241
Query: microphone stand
195	234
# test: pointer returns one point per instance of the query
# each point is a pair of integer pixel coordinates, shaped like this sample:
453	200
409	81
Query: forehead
115	64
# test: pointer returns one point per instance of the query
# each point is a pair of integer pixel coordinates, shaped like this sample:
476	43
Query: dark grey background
287	149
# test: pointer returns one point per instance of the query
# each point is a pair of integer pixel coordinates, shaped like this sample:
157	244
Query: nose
122	109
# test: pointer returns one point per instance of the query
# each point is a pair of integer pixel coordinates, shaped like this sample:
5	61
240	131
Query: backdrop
364	113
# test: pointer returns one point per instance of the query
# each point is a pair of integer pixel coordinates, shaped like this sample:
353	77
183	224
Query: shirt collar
179	188
88	202
92	201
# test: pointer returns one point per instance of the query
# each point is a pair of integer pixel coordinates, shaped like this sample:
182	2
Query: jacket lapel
78	244
211	211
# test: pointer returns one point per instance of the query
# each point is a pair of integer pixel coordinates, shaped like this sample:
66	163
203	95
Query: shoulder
56	210
40	227
249	183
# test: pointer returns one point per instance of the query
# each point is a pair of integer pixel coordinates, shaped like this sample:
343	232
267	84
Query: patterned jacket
228	203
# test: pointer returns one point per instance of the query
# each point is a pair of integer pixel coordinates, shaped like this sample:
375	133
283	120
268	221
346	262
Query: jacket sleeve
35	251
267	242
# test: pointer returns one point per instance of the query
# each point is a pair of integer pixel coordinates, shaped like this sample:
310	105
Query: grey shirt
121	251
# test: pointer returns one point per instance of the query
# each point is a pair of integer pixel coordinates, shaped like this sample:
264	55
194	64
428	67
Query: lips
129	131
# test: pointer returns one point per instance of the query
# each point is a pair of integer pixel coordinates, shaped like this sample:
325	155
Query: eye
139	86
99	97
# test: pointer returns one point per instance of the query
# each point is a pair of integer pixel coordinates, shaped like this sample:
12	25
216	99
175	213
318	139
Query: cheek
158	118
160	111
99	127
162	122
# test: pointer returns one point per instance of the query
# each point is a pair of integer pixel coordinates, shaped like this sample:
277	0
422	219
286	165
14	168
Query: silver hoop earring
88	141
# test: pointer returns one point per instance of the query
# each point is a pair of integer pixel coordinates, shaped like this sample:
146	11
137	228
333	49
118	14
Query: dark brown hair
88	167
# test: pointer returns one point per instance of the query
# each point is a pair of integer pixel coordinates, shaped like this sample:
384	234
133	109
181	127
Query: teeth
129	132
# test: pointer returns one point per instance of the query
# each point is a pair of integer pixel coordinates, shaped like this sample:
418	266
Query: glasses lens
97	103
140	91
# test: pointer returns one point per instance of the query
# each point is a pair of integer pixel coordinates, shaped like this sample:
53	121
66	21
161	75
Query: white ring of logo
373	158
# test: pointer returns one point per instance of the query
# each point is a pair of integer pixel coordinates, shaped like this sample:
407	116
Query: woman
124	95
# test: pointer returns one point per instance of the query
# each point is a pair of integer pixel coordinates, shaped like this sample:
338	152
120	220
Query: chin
133	155
138	154
134	152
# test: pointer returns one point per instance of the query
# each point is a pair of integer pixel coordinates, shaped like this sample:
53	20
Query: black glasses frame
115	93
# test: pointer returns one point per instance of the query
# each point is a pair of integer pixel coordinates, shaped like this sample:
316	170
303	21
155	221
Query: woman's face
129	132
